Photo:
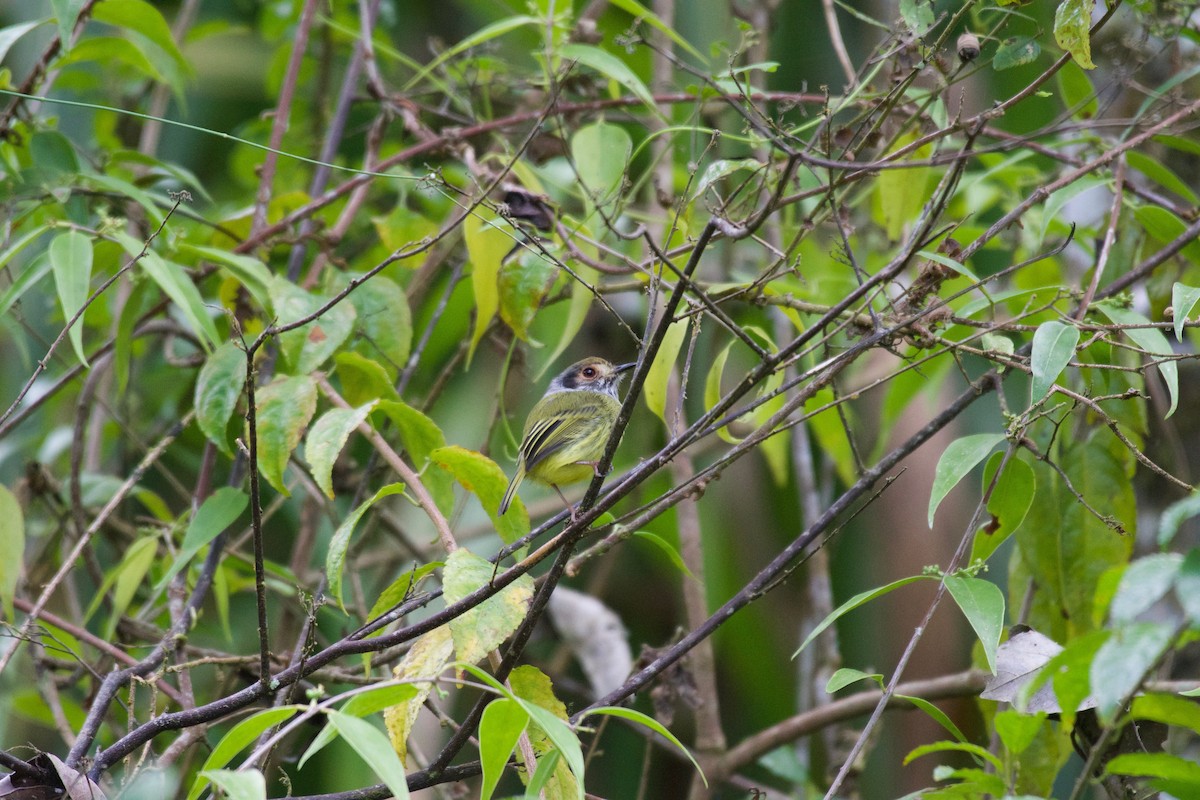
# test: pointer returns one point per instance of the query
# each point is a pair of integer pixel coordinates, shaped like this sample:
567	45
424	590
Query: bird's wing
547	437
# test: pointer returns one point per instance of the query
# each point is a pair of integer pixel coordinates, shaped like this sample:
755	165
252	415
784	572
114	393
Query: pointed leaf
982	603
372	747
220	510
327	437
481	630
489	240
340	543
501	726
959	458
853	603
284	408
1183	300
218	388
654	390
482	477
601	153
239	736
1152	341
71	261
12	544
612	68
238	785
1053	347
427	658
306	348
1072	24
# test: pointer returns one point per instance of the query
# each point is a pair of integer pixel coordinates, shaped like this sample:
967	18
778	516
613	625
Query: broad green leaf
1183	300
327	437
917	15
220	510
654	390
363	380
335	559
982	603
65	14
112	51
1143	584
10	34
1072	23
482	477
247	270
501	726
131	311
1016	730
1187	586
218	388
384	321
1168	709
405	584
1124	661
722	168
582	293
489	239
612	68
149	205
601	153
936	714
238	784
1152	341
1007	506
71	261
902	191
1156	765
565	742
33	272
306	348
1167	227
12	544
482	629
523	283
1175	515
372	747
285	407
144	18
421	437
665	547
239	736
54	154
853	603
959	458
1016	51
1053	347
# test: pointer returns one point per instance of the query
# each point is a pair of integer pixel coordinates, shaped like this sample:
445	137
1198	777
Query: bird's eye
589	372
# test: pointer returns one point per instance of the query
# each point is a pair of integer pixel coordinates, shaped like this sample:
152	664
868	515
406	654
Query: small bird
567	430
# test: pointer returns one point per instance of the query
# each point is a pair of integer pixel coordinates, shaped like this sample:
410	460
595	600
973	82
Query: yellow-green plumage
567	430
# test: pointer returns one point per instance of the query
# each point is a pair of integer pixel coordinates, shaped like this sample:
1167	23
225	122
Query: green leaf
372	747
1183	300
847	676
982	603
724	167
146	202
220	510
1123	661
384	321
853	603
917	15
489	239
601	154
482	477
1187	586
501	726
1155	765
238	785
340	543
577	307
1016	51
239	736
1072	23
130	576
53	154
902	191
10	34
1152	341
175	284
665	547
1016	730
144	18
65	14
481	630
29	276
959	458
1143	584
937	715
484	34
654	390
1053	347
1167	709
12	544
284	408
111	51
421	437
612	68
218	388
1166	227
363	380
306	348
523	283
327	437
397	590
360	705
980	753
71	261
1008	504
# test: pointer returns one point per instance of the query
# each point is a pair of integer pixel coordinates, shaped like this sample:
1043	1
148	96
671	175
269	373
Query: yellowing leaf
427	658
482	477
284	408
487	245
655	388
481	630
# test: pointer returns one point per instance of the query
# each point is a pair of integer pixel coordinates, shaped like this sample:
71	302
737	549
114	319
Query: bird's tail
511	491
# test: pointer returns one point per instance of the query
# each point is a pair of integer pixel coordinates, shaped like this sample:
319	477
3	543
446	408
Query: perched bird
567	430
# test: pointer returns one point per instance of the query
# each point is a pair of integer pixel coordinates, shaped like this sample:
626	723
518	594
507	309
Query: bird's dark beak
625	367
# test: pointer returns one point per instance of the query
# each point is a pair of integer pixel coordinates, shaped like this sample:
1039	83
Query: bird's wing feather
538	446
